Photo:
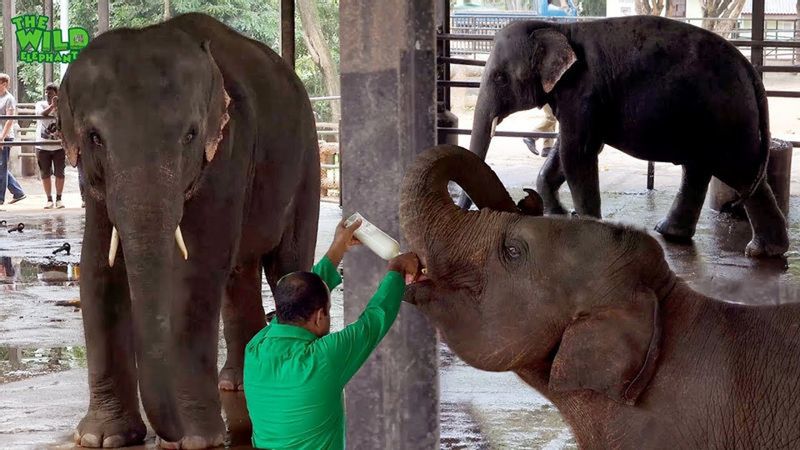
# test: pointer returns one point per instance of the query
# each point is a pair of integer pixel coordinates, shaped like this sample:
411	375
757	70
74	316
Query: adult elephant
655	88
187	132
629	354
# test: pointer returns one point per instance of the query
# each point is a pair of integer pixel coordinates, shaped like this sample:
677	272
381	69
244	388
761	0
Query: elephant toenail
114	441
226	385
90	440
167	444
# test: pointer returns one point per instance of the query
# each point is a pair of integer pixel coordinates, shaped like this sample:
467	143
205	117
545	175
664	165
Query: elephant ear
219	100
65	124
611	351
553	55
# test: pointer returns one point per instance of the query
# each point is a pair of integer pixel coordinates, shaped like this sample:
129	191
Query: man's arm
50	108
11	110
328	272
343	239
349	348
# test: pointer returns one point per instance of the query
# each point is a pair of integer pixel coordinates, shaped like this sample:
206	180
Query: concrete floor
43	391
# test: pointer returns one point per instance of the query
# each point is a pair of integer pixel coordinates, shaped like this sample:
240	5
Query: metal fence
486	24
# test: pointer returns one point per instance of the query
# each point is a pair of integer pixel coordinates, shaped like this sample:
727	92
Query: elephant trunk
484	122
146	233
445	237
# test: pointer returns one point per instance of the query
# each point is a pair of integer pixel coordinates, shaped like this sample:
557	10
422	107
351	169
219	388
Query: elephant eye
513	251
189	136
500	78
94	136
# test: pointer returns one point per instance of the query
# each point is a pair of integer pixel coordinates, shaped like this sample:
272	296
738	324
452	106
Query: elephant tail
763	126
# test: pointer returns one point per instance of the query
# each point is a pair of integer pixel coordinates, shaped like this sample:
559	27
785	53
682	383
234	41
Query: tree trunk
318	48
514	5
649	7
166	10
726	10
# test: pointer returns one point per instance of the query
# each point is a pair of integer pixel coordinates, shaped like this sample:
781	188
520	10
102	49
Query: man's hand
342	241
407	264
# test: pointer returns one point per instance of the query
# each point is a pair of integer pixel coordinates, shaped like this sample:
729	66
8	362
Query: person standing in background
51	158
8	106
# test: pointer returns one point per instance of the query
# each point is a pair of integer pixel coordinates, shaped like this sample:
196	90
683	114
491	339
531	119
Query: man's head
51	90
4	82
303	299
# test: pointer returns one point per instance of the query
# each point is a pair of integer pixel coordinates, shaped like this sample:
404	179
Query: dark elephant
589	314
655	88
187	131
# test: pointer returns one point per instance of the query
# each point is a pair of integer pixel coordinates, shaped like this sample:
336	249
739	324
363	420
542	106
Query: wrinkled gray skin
145	110
631	356
657	89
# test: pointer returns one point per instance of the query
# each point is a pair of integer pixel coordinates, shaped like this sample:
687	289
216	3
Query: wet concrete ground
43	390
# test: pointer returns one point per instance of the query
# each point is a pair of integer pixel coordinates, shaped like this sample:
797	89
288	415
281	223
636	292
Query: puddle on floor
17	363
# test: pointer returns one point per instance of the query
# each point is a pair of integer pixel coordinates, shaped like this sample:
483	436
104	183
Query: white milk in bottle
376	240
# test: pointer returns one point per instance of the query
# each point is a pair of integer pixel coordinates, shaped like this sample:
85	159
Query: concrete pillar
779	171
10	45
287	31
48	67
388	117
64	25
102	16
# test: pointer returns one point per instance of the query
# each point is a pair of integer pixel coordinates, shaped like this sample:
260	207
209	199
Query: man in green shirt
295	370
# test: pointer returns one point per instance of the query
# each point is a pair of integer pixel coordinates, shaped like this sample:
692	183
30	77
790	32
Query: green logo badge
37	43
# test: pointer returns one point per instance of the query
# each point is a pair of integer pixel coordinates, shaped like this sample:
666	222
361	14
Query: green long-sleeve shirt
294	381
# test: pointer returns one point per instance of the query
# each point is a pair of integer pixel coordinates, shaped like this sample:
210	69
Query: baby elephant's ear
612	351
217	116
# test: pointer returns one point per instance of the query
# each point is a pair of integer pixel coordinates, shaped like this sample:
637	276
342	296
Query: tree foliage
257	19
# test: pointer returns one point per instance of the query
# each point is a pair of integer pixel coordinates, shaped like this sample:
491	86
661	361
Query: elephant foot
230	379
760	248
109	430
672	231
555	210
193	442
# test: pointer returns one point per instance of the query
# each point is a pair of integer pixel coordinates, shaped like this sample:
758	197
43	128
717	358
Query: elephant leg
550	179
243	316
579	161
113	418
770	237
682	219
195	341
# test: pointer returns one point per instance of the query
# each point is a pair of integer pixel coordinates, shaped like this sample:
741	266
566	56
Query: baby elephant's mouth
419	292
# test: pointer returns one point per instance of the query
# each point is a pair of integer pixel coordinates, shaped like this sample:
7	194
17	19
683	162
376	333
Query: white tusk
112	247
181	244
424	270
494	127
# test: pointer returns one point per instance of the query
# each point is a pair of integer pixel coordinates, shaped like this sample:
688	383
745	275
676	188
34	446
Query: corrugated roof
787	7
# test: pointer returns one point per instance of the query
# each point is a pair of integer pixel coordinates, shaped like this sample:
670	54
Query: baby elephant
654	88
590	315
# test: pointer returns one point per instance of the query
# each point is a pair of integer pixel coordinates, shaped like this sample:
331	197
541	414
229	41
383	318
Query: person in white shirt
8	106
51	158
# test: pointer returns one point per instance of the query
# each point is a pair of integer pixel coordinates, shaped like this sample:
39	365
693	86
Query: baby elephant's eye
189	136
500	78
95	138
513	252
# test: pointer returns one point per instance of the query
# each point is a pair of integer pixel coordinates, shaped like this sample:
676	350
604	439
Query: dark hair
51	87
298	295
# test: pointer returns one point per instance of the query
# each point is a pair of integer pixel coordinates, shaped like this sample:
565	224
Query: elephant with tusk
589	314
202	167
